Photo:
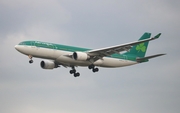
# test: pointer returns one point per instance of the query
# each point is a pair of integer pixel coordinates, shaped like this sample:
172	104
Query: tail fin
140	49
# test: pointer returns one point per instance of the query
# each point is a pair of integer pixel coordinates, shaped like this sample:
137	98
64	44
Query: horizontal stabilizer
157	36
148	57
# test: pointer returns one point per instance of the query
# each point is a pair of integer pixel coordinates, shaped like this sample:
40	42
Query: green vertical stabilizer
140	49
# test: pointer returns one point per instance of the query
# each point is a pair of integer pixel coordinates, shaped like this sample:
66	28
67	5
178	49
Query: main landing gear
77	74
73	71
30	57
93	68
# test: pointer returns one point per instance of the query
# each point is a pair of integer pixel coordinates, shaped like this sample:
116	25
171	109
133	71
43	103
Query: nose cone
20	49
16	47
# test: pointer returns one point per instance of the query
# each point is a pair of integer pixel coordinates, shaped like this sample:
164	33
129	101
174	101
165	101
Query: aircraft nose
16	47
20	49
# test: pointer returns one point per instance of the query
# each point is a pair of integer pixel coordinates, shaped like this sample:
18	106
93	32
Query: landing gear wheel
95	70
72	71
76	74
91	66
30	61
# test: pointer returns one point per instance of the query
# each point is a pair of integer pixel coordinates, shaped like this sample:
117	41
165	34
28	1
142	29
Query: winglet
157	36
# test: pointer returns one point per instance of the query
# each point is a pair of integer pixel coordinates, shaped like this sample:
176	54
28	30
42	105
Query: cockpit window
21	43
26	43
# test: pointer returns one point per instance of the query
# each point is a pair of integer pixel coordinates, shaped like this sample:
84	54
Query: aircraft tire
76	74
30	61
95	70
72	71
91	66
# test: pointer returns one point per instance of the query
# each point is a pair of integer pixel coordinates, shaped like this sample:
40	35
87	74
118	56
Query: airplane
57	55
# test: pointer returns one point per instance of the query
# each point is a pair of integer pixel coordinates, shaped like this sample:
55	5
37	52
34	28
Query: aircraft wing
102	52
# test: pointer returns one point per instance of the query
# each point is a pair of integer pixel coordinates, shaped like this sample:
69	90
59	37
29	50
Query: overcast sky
151	87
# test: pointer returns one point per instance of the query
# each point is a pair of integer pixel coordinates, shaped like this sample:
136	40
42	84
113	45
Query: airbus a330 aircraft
68	56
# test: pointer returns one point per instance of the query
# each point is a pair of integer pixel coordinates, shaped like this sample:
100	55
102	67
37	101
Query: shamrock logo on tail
141	47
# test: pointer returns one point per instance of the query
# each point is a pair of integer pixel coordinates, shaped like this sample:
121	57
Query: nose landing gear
30	57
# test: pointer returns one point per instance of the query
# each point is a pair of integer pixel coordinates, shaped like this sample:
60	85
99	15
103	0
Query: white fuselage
61	57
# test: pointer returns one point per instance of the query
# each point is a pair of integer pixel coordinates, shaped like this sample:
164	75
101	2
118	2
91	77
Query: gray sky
151	87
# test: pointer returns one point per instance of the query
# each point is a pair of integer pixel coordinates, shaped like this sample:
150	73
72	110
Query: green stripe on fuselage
72	49
53	46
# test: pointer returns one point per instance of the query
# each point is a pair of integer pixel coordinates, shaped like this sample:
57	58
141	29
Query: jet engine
80	56
47	64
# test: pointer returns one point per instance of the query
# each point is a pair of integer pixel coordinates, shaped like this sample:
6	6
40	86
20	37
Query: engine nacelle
80	56
47	64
